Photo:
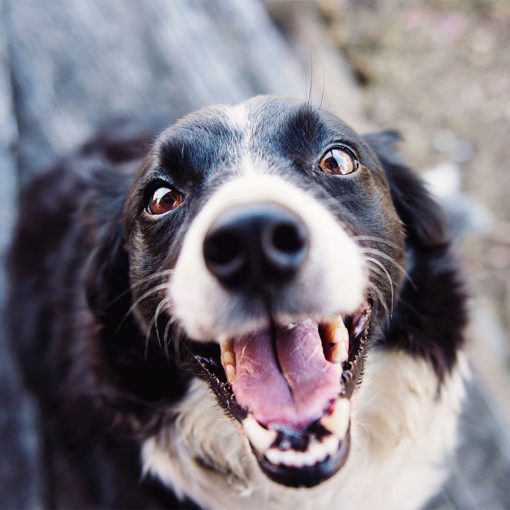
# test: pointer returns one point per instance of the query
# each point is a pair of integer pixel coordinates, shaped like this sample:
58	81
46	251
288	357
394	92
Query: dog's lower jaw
403	431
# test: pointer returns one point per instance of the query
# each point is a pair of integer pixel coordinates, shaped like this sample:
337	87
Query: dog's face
265	248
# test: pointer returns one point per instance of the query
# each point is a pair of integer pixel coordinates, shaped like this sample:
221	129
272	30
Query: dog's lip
304	472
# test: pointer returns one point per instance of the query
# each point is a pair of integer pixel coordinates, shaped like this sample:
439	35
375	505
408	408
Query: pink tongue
296	392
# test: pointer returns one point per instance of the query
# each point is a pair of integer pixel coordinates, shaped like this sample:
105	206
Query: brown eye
338	161
164	200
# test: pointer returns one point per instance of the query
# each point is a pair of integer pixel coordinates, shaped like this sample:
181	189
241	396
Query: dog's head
265	248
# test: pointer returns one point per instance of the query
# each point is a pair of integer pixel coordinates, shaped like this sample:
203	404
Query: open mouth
290	388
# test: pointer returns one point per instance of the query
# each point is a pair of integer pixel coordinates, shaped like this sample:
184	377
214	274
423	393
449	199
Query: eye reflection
164	200
338	161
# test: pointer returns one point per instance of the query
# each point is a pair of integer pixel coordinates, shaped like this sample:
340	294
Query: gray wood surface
68	65
20	473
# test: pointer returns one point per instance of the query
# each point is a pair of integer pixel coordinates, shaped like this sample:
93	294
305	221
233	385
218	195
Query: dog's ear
107	270
422	217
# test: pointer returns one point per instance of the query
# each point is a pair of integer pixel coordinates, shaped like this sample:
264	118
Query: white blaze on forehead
332	279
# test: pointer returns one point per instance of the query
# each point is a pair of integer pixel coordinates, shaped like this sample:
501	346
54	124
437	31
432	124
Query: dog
257	308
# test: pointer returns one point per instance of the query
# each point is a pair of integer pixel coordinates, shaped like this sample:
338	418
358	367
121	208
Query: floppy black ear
111	159
107	270
422	217
429	317
107	273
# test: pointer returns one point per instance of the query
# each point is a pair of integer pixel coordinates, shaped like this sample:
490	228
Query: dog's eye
164	200
338	161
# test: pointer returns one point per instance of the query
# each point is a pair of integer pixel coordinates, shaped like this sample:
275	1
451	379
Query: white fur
403	432
331	281
238	116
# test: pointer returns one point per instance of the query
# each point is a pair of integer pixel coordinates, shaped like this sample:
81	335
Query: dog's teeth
230	370
339	353
338	421
228	359
317	452
336	341
227	351
260	437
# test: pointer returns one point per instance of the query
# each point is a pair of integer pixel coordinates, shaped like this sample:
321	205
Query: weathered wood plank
76	63
20	474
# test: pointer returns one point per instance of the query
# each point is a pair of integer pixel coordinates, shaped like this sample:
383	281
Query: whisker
165	272
163	305
377	239
366	404
380	275
323	87
147	337
390	259
381	265
149	293
309	98
153	323
381	299
165	335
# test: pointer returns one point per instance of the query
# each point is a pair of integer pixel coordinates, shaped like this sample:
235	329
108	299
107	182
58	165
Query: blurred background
437	71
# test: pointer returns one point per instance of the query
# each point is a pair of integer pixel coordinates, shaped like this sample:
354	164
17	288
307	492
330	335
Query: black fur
430	315
81	352
84	355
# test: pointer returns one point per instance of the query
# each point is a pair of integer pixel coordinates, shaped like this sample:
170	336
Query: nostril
284	247
288	238
224	255
222	248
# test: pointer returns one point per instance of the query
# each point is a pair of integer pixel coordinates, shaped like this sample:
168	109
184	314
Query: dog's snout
256	244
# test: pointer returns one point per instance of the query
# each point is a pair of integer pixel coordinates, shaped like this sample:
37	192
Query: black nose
255	245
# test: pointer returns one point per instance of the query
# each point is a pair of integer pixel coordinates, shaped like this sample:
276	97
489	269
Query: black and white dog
263	313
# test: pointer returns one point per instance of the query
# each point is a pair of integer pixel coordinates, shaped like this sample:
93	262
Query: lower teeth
338	421
317	452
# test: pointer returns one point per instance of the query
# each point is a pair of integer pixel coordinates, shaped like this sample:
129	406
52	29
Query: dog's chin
290	387
307	475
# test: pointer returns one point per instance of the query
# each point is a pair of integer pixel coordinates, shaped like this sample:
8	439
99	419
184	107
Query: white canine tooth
228	359
330	445
339	353
336	338
274	456
227	351
338	421
230	371
342	341
260	437
318	452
